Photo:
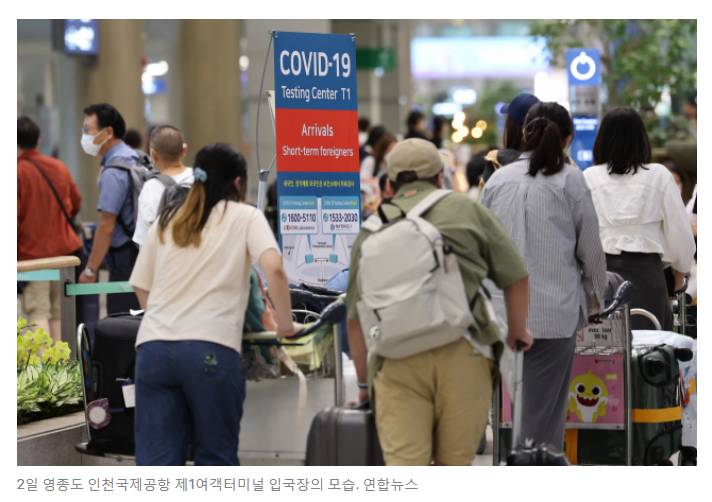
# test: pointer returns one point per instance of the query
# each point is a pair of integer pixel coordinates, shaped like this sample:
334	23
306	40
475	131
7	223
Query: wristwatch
89	272
362	386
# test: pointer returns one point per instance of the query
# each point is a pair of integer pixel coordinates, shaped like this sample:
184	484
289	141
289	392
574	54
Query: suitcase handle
517	380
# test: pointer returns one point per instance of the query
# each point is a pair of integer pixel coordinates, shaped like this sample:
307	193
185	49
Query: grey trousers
547	371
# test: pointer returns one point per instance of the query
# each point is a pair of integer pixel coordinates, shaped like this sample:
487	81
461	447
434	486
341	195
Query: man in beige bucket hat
432	407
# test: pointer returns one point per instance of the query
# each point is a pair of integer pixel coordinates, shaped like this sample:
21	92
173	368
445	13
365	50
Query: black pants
650	292
120	262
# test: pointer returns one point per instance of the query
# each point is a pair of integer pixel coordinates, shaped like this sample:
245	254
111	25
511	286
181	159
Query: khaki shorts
42	301
433	406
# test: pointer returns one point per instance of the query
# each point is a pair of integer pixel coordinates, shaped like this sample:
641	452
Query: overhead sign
81	36
583	66
316	122
484	57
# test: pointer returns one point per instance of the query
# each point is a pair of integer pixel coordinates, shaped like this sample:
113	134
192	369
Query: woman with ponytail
192	279
543	202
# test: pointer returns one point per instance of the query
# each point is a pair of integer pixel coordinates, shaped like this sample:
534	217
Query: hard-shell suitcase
525	452
656	412
110	366
343	436
657	407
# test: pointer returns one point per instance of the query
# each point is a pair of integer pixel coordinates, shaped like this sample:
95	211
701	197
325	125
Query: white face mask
88	144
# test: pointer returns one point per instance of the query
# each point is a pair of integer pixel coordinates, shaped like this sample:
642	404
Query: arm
271	263
589	251
148	201
357	343
359	355
142	296
678	242
516	299
509	272
102	243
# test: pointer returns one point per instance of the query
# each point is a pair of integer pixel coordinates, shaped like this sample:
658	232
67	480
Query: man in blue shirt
102	133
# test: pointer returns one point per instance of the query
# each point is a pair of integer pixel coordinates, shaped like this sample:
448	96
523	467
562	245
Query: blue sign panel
583	66
81	36
316	130
315	71
584	136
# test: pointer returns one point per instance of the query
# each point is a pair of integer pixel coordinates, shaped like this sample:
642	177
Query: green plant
641	59
45	387
48	382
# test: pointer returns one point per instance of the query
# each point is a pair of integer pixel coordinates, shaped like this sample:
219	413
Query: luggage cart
273	431
681	318
332	314
607	339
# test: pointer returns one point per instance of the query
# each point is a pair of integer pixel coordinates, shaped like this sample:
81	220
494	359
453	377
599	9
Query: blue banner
318	180
585	129
315	71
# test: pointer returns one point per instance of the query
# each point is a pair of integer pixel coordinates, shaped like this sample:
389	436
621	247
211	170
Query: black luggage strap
119	219
382	213
70	222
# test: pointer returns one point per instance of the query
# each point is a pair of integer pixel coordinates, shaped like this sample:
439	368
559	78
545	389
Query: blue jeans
187	393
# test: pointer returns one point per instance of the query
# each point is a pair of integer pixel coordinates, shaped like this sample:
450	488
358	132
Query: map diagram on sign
315	259
316	248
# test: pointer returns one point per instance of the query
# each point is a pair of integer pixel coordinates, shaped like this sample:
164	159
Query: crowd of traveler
539	230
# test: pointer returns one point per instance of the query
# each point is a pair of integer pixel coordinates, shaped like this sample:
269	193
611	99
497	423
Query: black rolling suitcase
656	410
110	366
524	452
343	436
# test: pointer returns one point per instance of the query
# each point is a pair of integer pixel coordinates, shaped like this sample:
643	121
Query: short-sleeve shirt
481	244
116	191
201	293
150	199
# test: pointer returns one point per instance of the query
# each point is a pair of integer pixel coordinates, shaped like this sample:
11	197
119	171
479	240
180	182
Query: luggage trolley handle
682	304
622	297
517	398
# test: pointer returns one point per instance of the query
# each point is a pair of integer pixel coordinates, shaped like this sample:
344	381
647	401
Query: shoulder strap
372	224
428	202
166	181
122	164
54	192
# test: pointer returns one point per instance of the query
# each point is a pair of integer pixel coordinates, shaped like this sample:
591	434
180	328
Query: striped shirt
553	223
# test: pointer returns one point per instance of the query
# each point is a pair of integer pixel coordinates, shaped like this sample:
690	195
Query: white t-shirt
642	213
150	198
201	293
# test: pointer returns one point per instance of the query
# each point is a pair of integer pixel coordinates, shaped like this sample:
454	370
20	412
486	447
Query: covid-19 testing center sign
316	126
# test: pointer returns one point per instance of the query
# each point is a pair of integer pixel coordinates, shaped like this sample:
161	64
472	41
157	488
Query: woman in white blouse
641	216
